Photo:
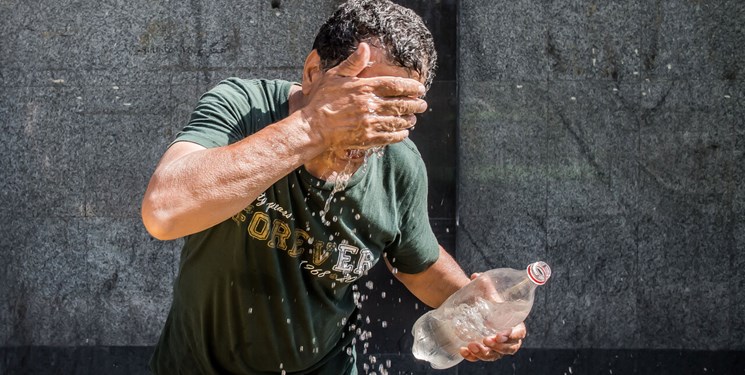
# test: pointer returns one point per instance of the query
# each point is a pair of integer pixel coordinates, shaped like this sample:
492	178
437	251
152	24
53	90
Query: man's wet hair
397	30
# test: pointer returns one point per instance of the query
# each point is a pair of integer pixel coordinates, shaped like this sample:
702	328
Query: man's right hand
348	107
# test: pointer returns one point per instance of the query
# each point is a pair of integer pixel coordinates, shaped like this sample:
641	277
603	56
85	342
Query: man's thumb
355	63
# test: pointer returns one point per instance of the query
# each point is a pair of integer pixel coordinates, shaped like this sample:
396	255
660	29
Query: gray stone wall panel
48	301
116	43
503	148
503	41
41	176
640	166
693	40
593	133
130	279
593	40
592	293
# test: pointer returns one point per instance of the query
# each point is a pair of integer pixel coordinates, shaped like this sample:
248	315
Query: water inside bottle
438	341
435	342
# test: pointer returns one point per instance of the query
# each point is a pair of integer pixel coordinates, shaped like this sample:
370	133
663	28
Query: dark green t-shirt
270	289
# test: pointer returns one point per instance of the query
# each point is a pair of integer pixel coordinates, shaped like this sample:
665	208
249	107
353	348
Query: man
283	210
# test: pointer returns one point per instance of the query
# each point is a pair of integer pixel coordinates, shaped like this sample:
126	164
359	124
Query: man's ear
311	71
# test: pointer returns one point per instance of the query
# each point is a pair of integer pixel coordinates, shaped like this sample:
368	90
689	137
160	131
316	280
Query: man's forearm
435	284
194	188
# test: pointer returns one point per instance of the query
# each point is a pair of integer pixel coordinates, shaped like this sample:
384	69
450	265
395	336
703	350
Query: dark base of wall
127	360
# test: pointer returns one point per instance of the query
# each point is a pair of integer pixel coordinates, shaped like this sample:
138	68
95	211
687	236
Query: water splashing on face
341	179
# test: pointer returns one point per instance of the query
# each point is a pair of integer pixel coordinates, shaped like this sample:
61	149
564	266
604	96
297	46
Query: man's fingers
495	347
355	63
388	124
467	355
399	106
519	331
396	86
474	352
507	342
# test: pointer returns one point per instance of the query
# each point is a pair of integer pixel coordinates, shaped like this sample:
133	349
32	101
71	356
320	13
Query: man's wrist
299	131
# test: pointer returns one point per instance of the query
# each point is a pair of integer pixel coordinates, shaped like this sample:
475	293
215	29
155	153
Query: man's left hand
495	347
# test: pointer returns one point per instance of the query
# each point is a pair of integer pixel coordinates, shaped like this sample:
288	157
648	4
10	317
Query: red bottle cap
539	272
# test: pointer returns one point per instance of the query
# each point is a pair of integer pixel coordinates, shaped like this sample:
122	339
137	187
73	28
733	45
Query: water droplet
384	324
357	216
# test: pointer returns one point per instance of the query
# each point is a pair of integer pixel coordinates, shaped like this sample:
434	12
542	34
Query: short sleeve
217	119
235	109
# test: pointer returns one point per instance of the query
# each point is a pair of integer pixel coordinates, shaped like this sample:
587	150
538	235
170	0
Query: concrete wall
91	94
608	139
605	138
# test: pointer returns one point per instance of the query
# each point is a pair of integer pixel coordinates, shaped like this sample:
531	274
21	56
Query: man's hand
497	346
344	110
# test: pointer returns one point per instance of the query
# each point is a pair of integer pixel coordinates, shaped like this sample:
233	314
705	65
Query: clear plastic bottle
495	301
